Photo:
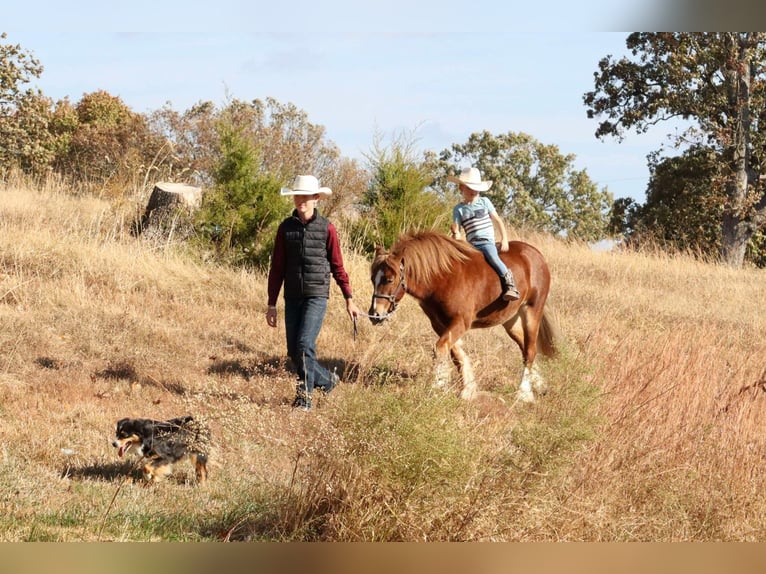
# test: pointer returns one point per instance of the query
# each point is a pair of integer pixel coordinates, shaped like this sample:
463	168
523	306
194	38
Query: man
306	253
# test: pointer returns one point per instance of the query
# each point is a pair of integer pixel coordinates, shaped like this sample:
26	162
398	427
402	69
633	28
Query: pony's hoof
525	397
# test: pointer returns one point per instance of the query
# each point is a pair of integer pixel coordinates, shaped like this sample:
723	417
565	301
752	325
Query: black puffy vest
307	270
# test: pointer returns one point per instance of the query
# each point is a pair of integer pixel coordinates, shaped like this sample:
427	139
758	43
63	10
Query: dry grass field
652	430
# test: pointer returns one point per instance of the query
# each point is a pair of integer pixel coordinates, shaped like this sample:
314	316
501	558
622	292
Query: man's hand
271	316
351	308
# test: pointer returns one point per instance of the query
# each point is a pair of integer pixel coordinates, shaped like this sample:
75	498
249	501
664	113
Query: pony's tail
549	333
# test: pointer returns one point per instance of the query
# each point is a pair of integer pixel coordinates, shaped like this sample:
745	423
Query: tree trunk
735	236
736	231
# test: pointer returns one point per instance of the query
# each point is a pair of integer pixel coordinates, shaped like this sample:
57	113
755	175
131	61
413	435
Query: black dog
164	443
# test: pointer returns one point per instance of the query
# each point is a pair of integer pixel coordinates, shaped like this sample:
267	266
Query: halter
392	298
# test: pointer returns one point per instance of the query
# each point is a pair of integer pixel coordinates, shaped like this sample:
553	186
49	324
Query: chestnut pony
459	291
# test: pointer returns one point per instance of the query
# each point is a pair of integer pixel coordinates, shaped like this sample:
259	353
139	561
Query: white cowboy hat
305	185
471	177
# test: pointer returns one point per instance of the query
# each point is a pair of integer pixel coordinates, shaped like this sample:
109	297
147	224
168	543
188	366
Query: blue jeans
489	249
303	321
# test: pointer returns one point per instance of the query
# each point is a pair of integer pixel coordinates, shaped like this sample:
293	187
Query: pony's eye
389	280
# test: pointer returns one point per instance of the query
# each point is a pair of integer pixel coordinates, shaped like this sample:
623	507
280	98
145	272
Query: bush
425	465
240	213
398	198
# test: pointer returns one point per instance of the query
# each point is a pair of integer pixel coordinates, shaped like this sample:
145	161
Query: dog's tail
200	437
180	422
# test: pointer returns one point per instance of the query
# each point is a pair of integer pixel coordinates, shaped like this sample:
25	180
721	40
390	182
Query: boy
475	215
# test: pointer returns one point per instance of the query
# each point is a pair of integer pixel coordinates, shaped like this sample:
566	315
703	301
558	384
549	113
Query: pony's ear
379	250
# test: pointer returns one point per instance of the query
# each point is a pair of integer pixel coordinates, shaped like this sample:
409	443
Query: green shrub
396	467
414	463
398	198
239	215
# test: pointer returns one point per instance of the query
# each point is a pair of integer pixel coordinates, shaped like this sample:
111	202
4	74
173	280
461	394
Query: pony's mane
429	253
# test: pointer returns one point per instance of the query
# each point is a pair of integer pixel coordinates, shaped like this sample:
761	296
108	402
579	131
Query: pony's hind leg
534	380
465	369
518	329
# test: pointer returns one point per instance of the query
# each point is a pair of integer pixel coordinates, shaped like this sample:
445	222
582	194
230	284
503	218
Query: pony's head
416	264
388	285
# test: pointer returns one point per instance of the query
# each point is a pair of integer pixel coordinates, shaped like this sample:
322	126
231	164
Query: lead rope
368	316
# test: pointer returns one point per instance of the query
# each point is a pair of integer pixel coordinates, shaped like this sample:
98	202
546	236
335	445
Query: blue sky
438	71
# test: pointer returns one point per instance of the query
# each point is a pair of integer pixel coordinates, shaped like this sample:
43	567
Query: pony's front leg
441	368
465	369
442	365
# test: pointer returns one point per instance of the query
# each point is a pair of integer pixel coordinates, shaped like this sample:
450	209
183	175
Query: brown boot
510	293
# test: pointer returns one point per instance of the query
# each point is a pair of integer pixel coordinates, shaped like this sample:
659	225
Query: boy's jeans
303	321
489	249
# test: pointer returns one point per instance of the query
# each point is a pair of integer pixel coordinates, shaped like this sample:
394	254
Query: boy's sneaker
334	380
301	404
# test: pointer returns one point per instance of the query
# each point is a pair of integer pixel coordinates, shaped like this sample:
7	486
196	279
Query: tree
535	186
244	206
192	141
684	203
24	112
398	198
718	82
102	144
348	182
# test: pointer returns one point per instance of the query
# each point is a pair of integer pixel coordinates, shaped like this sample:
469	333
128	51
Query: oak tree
716	81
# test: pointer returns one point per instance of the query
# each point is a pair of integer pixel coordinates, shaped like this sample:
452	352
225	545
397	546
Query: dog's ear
146	427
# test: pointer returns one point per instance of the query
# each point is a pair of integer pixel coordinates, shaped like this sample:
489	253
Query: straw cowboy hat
305	185
471	177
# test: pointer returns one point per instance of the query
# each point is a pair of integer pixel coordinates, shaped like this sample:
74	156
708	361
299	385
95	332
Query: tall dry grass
651	431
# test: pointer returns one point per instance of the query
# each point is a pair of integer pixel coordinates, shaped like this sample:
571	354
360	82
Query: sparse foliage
192	140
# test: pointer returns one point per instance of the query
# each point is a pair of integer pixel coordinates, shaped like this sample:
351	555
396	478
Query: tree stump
169	209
